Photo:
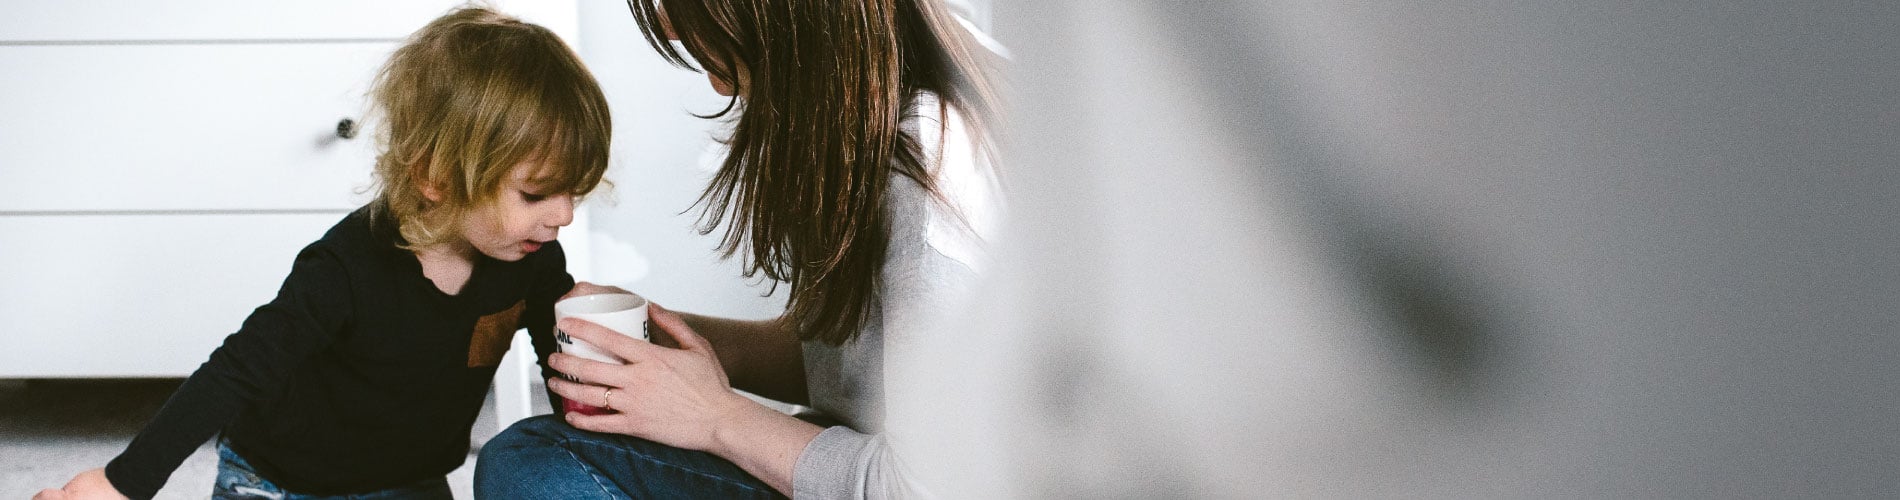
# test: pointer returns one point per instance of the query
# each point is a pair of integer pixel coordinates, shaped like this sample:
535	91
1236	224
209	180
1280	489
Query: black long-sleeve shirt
361	375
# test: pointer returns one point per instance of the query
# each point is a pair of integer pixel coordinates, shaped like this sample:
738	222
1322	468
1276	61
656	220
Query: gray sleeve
845	464
920	284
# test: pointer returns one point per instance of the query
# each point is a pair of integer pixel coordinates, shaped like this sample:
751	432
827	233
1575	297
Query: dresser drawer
184	127
214	20
137	295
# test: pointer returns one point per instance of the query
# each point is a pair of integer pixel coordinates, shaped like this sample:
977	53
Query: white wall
642	232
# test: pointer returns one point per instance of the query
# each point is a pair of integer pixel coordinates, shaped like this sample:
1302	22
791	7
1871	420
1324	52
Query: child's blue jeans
543	457
237	480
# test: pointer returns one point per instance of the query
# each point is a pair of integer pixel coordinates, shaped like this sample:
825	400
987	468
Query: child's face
521	219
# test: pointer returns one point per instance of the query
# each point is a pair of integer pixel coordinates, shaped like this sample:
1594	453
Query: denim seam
566	440
591	473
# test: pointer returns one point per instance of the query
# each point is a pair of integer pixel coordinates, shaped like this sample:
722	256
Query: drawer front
184	127
213	20
137	295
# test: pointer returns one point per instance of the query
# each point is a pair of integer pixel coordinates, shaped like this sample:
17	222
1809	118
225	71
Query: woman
857	178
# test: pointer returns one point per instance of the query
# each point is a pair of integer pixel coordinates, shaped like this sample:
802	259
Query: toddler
364	375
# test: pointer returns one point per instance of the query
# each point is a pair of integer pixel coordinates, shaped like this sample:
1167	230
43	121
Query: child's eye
531	197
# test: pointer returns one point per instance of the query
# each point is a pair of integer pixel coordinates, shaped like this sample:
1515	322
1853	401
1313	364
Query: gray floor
52	429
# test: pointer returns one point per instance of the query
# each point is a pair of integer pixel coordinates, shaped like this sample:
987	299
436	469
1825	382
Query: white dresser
161	163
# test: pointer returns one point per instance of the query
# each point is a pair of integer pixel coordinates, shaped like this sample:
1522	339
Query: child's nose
563	213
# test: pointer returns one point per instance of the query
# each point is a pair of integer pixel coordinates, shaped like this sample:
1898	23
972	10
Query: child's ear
430	192
419	176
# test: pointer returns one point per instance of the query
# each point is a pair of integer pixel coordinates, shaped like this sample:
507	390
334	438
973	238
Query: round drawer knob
346	128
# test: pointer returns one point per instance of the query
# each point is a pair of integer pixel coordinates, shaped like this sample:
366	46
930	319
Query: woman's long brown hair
821	87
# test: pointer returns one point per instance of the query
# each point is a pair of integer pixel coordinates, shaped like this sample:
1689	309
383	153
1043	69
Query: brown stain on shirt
492	334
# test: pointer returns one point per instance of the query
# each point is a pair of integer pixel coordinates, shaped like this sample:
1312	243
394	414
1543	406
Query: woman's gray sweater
935	249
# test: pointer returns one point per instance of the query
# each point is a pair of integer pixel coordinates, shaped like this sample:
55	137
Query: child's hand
585	288
85	486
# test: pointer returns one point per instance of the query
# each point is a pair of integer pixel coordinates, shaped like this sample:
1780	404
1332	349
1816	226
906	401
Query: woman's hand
677	397
85	486
585	288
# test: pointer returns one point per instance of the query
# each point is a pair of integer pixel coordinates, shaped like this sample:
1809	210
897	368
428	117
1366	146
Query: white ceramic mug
624	313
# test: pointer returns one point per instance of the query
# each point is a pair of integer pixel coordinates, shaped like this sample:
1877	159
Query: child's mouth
530	246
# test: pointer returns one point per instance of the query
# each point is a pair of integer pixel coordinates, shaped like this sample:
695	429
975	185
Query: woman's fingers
582	398
675	327
595	423
628	348
592	396
564	388
587	394
590	371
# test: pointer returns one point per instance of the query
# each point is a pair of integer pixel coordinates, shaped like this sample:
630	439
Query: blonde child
365	373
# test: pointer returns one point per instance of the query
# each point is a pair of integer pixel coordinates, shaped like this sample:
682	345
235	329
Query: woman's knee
516	447
532	431
552	432
543	457
527	461
541	425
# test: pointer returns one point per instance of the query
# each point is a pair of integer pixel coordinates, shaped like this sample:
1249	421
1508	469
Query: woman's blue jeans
543	457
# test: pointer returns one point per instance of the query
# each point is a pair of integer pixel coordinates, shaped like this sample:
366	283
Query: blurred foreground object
1437	249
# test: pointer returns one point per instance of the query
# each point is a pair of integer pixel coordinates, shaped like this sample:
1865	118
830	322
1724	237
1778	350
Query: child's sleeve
550	283
311	309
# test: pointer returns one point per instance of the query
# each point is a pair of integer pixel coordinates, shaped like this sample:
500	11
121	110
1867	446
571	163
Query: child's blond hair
469	97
